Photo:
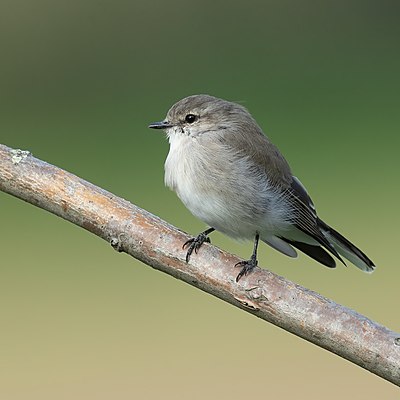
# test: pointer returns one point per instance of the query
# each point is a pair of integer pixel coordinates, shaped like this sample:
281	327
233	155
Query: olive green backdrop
80	81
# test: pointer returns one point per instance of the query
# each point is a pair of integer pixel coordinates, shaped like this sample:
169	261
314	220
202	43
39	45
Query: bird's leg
249	265
196	242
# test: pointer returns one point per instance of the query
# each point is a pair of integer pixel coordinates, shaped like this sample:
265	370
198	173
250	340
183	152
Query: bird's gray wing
249	141
261	153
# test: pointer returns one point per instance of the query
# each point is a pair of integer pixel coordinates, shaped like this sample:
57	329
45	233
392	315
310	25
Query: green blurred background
80	81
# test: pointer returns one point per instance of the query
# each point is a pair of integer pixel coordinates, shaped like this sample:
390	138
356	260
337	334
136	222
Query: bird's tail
347	249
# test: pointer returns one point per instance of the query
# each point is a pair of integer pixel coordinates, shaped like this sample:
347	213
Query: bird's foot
195	244
247	267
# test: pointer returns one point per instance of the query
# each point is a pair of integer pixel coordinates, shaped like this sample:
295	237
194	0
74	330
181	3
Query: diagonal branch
153	241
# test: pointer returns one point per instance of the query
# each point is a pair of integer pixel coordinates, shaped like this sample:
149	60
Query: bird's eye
190	118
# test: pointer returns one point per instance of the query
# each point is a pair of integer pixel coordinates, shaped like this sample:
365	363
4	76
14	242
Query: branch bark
153	241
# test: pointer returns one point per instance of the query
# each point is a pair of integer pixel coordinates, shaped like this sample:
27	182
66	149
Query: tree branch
153	241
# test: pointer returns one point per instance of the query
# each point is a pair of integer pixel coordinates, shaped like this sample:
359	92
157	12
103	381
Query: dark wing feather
305	217
301	192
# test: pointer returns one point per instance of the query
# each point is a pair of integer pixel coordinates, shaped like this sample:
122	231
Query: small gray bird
230	176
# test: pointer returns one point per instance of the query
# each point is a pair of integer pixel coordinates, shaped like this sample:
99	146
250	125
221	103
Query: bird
229	175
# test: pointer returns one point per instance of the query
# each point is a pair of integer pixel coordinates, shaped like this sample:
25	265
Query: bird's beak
160	125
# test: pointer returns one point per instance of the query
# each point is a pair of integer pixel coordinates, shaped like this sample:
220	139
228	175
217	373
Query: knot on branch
18	155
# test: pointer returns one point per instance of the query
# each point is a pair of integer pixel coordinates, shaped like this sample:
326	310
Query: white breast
184	174
175	165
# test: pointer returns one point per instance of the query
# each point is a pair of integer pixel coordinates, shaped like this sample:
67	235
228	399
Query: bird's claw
195	244
247	266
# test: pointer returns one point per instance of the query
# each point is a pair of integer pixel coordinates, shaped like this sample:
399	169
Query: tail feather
347	249
317	252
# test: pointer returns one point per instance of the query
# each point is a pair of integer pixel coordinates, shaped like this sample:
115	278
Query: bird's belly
221	214
237	216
